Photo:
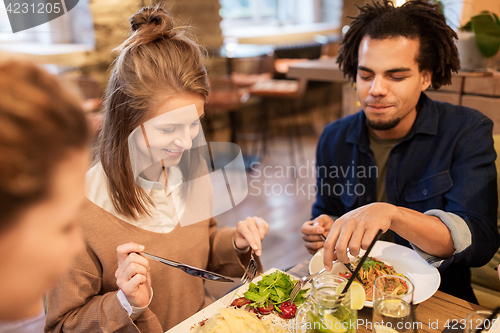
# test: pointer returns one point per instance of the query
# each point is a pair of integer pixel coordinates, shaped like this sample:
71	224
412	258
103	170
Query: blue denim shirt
446	162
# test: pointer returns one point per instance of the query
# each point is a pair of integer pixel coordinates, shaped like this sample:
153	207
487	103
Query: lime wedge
333	324
358	296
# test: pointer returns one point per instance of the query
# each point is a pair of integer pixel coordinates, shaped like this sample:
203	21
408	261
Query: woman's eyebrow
171	124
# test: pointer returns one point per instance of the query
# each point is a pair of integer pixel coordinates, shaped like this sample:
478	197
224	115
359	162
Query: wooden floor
283	198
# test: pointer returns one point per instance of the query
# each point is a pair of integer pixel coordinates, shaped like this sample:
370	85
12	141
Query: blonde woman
150	191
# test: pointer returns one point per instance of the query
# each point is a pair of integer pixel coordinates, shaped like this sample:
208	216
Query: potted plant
479	40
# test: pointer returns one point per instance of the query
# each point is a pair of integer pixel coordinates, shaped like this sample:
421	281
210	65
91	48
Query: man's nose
379	87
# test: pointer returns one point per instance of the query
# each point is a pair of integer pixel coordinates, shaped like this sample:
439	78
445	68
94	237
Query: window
251	11
278	13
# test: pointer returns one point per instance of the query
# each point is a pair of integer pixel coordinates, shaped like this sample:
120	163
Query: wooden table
433	314
317	70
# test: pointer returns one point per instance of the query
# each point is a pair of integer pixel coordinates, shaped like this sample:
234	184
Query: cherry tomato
288	310
239	302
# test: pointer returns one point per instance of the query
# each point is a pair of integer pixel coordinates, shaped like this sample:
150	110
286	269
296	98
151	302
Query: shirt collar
425	123
174	180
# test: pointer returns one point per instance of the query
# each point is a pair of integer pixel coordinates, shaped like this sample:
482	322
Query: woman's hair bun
152	23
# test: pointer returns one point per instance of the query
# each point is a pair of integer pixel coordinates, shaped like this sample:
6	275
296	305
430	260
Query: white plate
224	302
424	277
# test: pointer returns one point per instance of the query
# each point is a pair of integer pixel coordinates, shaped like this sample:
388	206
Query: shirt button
369	198
425	192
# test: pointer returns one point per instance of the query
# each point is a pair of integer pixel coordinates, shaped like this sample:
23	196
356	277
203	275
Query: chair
287	94
289	54
225	98
287	97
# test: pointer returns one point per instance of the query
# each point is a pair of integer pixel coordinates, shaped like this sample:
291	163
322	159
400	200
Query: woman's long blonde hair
158	60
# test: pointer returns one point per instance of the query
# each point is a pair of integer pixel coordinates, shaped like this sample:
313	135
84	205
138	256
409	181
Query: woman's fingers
254	239
263	227
130	287
250	233
127	255
130	271
132	258
243	232
132	274
124	250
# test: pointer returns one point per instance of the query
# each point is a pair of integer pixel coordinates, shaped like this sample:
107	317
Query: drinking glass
392	305
326	309
475	320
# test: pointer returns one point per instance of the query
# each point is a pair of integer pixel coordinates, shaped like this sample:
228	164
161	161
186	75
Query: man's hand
356	230
311	231
251	232
132	275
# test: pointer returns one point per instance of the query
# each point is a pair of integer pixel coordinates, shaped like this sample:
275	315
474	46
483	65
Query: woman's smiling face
171	129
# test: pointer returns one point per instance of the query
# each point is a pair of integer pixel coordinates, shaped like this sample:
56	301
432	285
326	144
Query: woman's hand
250	233
132	275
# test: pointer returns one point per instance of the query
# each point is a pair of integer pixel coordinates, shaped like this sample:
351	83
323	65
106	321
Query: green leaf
486	27
496	18
282	284
252	286
274	288
266	281
263	299
467	27
250	295
281	294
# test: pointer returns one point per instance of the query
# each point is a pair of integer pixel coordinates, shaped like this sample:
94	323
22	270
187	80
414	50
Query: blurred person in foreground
147	192
44	154
423	169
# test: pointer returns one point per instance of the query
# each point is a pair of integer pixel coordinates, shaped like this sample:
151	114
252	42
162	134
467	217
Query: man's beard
383	125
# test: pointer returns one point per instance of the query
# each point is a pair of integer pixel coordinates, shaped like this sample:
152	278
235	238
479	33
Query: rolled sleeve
460	234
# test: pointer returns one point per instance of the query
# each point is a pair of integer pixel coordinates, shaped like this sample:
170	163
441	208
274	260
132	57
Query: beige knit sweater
85	299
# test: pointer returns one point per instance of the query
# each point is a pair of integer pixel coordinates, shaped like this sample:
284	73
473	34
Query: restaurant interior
274	86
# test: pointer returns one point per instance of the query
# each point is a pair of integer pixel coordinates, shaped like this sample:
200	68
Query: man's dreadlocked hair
414	20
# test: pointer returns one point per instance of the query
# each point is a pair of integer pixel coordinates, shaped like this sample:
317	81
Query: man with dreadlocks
423	169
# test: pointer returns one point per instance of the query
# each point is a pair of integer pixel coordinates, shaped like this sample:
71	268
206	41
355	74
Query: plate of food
259	306
388	258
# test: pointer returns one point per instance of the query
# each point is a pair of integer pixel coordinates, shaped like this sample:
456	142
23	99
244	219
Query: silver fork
301	283
251	270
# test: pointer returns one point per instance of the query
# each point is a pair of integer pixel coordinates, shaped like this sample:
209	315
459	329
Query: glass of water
392	299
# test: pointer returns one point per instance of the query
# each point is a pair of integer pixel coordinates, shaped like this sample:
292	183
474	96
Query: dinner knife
194	271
